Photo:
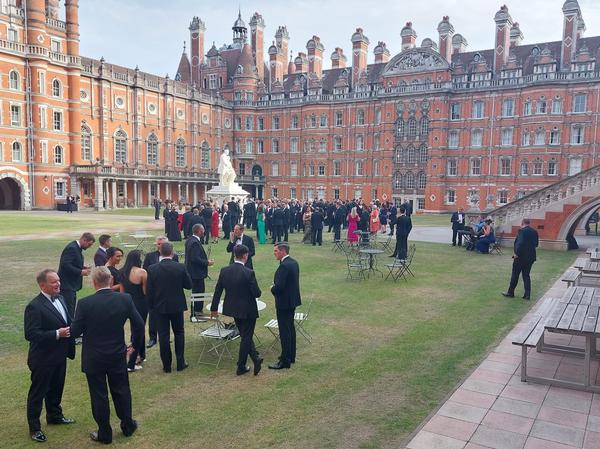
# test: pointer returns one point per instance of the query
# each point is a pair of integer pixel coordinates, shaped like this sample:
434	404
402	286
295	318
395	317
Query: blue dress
483	244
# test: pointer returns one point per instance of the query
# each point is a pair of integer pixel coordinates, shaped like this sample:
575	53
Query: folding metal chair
338	245
386	244
300	319
400	267
273	327
121	243
496	246
356	266
199	297
218	335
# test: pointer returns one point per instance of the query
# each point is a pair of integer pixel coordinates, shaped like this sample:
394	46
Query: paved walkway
493	409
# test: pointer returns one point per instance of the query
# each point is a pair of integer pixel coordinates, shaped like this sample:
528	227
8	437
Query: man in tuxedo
286	290
151	259
71	269
186	224
403	228
197	263
100	258
392	220
166	282
525	255
316	223
278	222
458	223
241	291
46	324
237	237
156	204
207	213
234	212
338	220
100	318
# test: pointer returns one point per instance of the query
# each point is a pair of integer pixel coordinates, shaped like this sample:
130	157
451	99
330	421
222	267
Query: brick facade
434	124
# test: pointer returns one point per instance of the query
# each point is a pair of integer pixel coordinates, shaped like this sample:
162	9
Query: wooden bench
580	262
572	277
532	336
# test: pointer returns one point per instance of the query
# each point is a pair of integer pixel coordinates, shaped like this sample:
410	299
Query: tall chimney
301	62
338	59
503	24
315	50
409	37
282	39
197	29
459	44
275	66
257	31
382	54
360	47
516	36
572	17
291	66
446	31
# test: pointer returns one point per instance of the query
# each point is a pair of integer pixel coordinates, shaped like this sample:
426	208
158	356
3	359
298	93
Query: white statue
226	172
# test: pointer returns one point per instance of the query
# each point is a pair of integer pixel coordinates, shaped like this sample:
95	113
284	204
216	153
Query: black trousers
118	382
47	384
287	335
175	321
152	326
523	268
70	297
156	213
337	232
317	236
143	311
206	238
198	287
277	233
401	249
246	328
285	233
456	234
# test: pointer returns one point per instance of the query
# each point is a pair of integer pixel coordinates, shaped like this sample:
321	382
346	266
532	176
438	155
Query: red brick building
435	124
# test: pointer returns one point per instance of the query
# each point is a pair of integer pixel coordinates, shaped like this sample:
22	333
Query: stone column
149	194
114	194
187	192
195	187
135	194
178	192
125	194
99	193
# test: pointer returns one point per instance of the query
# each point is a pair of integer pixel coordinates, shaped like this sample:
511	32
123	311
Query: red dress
353	226
180	222
214	228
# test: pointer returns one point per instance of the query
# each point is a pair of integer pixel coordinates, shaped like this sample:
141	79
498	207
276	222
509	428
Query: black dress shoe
39	436
257	365
128	432
279	365
507	295
62	420
94	437
167	370
182	367
242	371
151	343
526	297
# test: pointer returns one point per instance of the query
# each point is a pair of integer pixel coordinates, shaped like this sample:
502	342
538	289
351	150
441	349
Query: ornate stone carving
415	60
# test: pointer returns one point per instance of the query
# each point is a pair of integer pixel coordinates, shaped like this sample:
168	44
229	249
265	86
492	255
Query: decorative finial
184	46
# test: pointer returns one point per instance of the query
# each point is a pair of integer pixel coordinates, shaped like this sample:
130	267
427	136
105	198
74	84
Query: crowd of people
147	288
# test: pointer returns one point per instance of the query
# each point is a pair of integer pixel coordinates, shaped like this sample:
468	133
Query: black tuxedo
339	214
277	224
100	258
100	318
69	271
458	223
403	228
249	243
47	358
149	260
525	244
165	292
207	218
316	225
186	224
241	291
286	289
196	263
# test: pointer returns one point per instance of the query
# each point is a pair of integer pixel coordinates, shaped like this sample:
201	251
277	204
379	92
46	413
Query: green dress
260	228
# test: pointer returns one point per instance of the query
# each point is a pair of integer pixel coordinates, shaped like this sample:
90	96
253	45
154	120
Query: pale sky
150	33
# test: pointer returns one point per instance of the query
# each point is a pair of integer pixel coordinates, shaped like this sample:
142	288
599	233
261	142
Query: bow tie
54	298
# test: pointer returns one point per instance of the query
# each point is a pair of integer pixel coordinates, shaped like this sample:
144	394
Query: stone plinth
220	193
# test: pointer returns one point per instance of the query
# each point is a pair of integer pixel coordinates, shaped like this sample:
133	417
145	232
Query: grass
430	220
383	355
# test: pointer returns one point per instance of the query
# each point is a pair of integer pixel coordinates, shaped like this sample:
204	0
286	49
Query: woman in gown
483	243
260	225
214	228
353	219
375	220
134	279
307	238
166	216
173	233
114	256
383	215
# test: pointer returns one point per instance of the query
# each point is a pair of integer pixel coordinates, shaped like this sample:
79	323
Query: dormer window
239	70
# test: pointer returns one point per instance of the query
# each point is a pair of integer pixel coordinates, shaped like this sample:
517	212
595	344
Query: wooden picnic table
576	313
595	256
591	268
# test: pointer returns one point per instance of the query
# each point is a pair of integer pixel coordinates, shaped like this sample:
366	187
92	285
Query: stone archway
14	192
580	214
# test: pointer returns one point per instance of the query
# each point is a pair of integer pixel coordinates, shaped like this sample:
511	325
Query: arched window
400	128
14	79
421	180
313	121
323	120
360	117
409	180
180	153
152	150
423	154
538	167
397	180
398	155
121	146
524	168
17	154
412	127
410	155
424	126
58	155
56	88
86	143
205	155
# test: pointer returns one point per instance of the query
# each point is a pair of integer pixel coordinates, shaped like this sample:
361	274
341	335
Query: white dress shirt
58	306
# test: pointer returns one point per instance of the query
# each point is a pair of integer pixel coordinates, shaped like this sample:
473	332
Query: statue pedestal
220	193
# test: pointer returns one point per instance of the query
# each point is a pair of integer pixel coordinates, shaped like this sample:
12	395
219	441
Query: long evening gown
139	301
353	226
260	228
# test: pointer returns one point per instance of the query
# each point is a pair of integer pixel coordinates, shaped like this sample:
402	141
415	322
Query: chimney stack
197	29
257	31
446	31
301	63
504	23
338	59
459	44
315	51
360	47
571	31
409	37
516	37
382	54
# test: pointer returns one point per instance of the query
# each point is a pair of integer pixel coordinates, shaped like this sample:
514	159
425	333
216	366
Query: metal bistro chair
273	327
338	245
386	243
400	267
496	247
199	297
122	243
357	266
218	336
300	319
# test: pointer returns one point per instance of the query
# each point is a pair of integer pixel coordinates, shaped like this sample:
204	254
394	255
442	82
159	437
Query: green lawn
139	212
430	219
383	355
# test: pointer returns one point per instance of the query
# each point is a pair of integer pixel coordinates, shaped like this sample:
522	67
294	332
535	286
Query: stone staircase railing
543	199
